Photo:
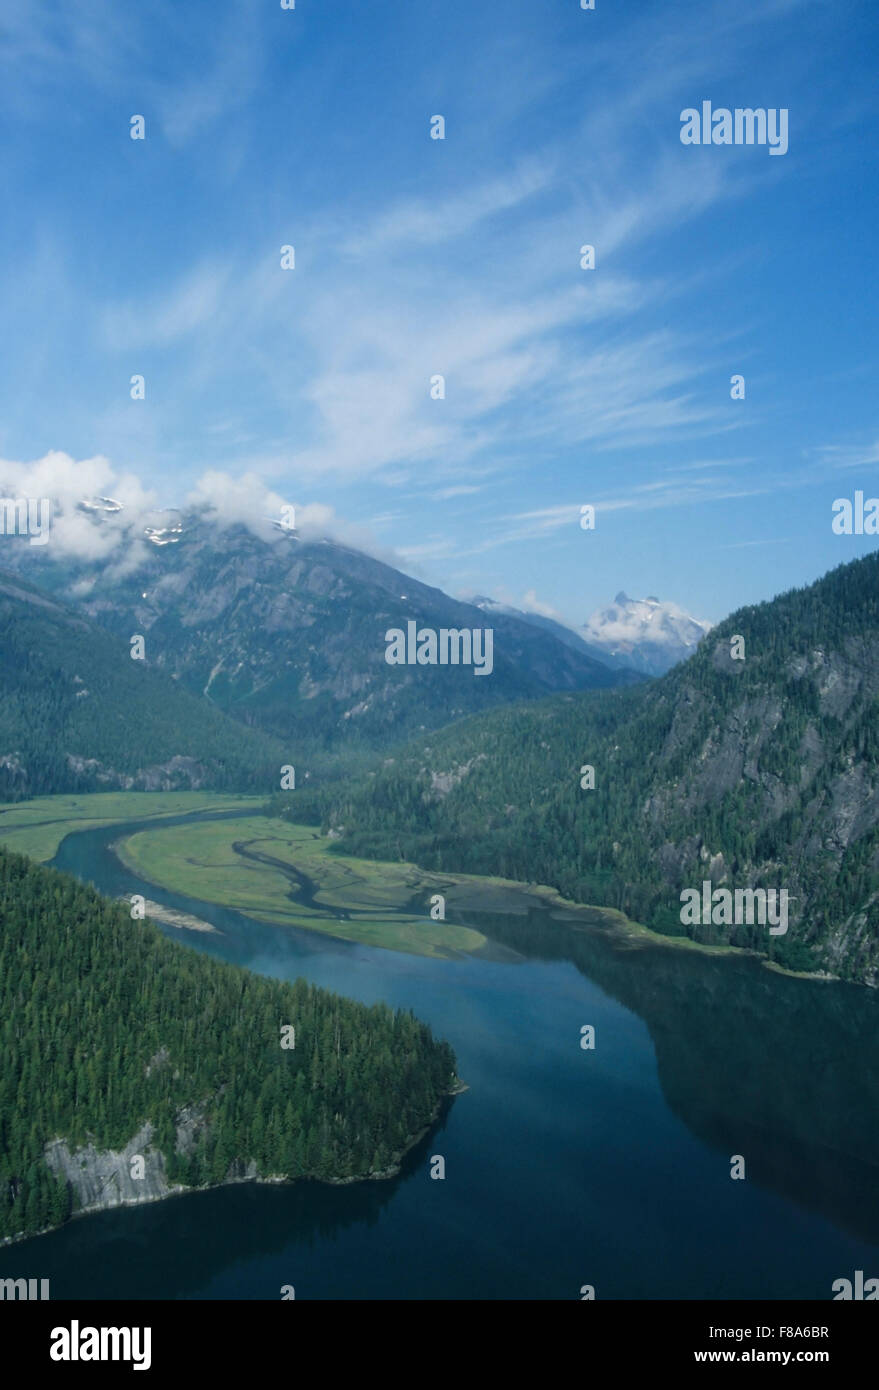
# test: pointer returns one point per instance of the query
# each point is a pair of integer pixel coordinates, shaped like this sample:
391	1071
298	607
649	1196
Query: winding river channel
564	1167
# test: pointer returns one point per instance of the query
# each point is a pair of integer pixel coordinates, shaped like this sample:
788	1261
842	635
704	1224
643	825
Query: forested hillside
105	1026
753	771
77	713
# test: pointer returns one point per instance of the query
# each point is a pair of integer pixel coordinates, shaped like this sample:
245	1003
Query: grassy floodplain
297	882
36	828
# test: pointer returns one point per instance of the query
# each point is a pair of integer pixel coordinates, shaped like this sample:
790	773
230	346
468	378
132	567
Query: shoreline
616	923
270	1180
494	889
171	916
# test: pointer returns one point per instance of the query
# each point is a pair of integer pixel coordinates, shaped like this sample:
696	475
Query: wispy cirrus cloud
165	317
415	223
842	456
189	74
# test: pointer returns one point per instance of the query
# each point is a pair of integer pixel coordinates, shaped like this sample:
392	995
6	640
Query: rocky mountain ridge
289	635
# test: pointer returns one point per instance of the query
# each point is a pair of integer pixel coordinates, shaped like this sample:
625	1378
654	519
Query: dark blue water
564	1167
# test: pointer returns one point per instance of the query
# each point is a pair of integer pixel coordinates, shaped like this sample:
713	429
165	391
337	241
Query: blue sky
310	127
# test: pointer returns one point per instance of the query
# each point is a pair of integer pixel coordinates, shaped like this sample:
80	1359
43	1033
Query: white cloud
234	501
532	604
66	482
117	538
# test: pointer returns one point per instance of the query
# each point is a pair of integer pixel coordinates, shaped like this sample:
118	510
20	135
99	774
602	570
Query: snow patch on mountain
646	634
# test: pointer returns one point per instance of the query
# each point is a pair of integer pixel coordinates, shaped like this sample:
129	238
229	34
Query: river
564	1167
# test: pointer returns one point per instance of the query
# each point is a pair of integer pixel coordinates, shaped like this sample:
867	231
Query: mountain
753	764
643	634
77	713
288	634
126	1044
570	636
633	636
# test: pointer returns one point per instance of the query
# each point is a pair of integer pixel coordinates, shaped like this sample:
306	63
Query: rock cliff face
782	786
100	1180
763	765
177	774
103	1178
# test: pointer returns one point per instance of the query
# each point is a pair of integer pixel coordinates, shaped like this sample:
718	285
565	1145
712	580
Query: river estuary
564	1167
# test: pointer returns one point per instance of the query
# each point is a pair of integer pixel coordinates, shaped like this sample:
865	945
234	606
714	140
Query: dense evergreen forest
760	771
78	714
105	1024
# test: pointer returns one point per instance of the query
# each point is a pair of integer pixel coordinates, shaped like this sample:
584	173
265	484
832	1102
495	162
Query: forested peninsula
132	1067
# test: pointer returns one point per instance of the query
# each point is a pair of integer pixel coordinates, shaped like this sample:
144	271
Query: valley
439	672
441	859
226	850
757	773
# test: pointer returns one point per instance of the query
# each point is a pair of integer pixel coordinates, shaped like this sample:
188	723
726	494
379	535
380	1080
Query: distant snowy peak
641	634
644	633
